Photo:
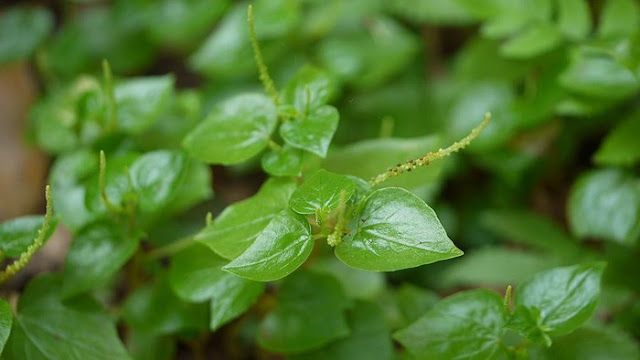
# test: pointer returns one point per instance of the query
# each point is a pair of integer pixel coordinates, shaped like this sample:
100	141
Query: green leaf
278	251
619	18
6	320
574	19
154	309
533	41
414	301
565	297
15	42
369	337
195	187
45	328
231	297
438	12
620	147
467	325
143	346
236	228
595	343
95	255
494	266
356	159
117	184
194	273
395	230
605	204
357	284
234	131
141	101
156	177
309	89
320	193
286	161
309	314
313	132
17	234
596	74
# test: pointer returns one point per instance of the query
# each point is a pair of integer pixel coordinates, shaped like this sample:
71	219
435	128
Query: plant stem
263	71
170	249
24	258
432	156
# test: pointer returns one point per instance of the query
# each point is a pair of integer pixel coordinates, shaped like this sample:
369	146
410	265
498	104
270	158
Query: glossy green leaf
17	234
95	255
413	302
309	314
595	74
156	176
286	161
619	18
236	228
234	131
605	204
533	41
17	44
620	147
117	184
154	309
369	337
565	297
278	251
309	89
231	297
312	132
195	188
194	273
356	159
6	320
46	328
141	101
595	343
467	325
574	18
321	193
395	230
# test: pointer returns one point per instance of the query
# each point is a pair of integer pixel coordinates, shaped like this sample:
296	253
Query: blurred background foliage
552	181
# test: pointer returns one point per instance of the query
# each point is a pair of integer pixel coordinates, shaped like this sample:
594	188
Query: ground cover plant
342	179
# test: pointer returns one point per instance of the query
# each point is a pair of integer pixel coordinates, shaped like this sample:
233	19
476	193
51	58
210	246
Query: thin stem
335	238
170	249
432	156
40	239
266	80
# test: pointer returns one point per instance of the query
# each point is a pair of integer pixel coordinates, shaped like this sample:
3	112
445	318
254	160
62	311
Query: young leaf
309	314
240	224
6	320
574	18
234	131
605	204
620	147
395	230
16	44
309	89
619	18
194	273
286	161
95	255
279	249
369	337
156	177
312	132
321	193
46	328
536	40
231	297
565	297
467	325
140	102
154	309
17	234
